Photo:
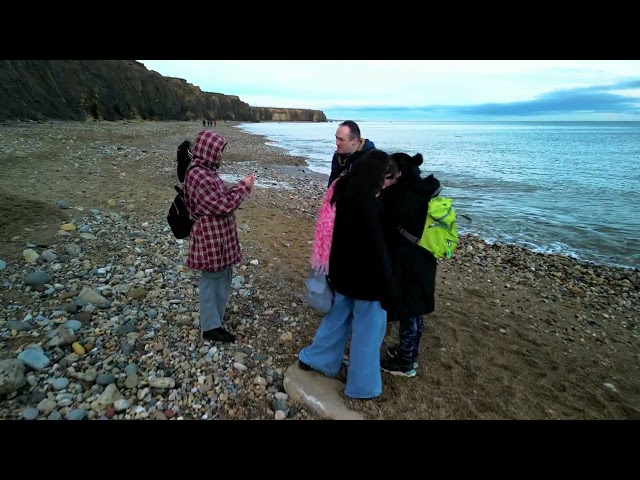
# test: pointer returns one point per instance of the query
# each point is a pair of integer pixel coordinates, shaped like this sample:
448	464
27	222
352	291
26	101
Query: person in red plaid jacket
213	245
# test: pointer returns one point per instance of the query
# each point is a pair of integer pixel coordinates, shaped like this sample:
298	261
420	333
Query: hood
348	160
428	186
367	145
207	149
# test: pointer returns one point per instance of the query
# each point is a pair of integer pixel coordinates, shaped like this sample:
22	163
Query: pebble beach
99	315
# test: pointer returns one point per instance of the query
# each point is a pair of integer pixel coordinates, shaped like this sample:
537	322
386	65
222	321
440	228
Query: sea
571	188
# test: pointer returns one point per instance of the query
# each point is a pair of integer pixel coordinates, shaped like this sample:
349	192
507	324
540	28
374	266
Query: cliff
116	90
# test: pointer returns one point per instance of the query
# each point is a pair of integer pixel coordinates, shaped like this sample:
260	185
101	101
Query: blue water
555	187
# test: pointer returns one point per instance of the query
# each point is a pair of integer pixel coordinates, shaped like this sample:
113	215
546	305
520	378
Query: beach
113	332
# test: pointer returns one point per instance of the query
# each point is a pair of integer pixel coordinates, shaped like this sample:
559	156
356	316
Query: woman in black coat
360	275
414	268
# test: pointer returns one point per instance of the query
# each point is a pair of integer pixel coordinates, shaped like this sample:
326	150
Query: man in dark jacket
349	148
414	268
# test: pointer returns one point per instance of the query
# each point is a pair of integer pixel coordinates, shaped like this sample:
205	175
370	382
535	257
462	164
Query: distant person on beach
349	148
213	246
405	201
355	256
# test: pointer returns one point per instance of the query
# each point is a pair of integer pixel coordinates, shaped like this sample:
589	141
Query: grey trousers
214	294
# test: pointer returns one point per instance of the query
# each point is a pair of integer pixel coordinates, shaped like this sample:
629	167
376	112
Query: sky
445	90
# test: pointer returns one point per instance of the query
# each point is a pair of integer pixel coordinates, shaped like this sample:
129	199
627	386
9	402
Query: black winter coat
413	267
359	263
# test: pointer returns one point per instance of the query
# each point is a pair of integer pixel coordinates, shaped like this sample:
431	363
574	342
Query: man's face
344	143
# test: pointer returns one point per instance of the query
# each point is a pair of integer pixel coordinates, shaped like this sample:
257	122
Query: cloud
601	99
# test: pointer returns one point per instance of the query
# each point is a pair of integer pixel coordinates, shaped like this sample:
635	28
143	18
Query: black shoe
218	335
395	367
304	366
393	352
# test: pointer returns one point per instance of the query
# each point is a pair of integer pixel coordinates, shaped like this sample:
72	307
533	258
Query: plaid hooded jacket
213	243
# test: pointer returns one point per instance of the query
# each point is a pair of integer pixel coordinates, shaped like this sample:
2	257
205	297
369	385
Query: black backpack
178	216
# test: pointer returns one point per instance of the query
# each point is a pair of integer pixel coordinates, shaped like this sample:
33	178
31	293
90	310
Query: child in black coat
405	203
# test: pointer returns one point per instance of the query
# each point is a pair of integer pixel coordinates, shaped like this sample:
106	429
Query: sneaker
392	351
394	367
218	335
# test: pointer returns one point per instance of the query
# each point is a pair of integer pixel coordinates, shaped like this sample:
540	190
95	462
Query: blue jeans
410	334
367	322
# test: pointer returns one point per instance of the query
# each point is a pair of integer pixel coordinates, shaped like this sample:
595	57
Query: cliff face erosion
118	90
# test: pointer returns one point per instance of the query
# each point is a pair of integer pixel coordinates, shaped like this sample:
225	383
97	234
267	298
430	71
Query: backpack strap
408	236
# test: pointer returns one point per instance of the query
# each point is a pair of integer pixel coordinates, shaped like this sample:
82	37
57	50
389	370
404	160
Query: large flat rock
318	393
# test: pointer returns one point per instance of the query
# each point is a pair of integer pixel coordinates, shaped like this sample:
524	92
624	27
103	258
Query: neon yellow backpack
440	232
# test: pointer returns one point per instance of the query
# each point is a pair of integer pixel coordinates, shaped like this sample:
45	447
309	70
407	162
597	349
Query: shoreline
586	258
516	334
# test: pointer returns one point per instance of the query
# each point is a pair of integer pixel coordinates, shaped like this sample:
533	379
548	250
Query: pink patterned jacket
213	243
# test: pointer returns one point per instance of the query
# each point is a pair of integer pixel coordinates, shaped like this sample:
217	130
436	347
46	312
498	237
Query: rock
121	405
49	256
90	375
318	392
37	278
131	381
162	382
34	359
91	296
47	406
137	293
76	414
107	398
63	336
83	317
55	415
77	348
30	413
12	376
106	379
30	255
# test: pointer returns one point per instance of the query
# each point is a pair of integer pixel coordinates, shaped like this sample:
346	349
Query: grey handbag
319	292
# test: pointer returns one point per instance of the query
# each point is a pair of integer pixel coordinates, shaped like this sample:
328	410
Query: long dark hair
366	175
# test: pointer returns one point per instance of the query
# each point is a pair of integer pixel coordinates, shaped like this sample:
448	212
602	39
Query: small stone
162	382
30	413
55	415
106	379
60	383
121	405
77	348
76	414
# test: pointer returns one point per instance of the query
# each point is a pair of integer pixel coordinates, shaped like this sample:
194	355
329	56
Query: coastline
515	334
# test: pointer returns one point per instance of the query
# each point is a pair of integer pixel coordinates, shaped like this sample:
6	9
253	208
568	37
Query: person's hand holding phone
249	179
